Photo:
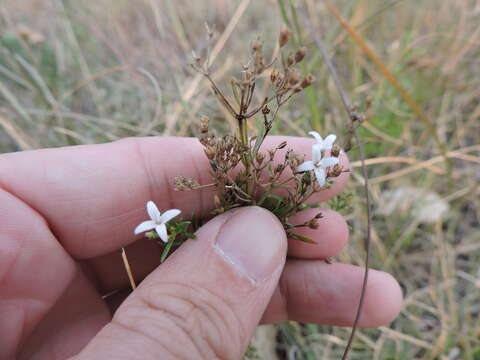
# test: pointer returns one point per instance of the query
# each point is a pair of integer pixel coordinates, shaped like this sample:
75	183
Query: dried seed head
279	168
282	145
293	160
181	183
210	152
313	224
293	78
307	81
260	157
256	46
204	124
265	110
335	152
283	37
274	75
335	171
319	216
300	54
291	60
271	154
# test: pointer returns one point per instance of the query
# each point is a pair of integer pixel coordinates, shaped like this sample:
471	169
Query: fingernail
253	241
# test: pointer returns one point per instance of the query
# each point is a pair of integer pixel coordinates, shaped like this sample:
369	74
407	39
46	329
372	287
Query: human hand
65	213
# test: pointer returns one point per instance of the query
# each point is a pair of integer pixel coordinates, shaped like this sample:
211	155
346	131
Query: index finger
92	196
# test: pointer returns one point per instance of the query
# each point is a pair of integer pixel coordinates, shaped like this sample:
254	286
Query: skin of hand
65	214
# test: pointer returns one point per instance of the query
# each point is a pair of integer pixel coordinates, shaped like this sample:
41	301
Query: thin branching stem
353	117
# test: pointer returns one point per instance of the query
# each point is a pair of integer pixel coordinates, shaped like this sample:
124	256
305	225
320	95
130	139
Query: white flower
317	164
157	221
325	144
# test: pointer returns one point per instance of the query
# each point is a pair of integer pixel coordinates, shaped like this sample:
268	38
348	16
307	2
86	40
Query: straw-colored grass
76	72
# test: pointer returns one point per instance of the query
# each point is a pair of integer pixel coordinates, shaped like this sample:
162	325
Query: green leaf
166	250
259	141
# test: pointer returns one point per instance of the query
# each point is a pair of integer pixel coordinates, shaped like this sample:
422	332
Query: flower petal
328	142
153	211
144	226
162	232
317	136
307	165
316	153
169	215
330	161
320	174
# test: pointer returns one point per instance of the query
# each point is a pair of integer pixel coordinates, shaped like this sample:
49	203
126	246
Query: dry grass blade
190	91
128	269
353	119
390	77
23	140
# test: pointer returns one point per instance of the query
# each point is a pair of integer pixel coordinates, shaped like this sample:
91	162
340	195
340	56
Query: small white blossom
157	221
325	144
318	165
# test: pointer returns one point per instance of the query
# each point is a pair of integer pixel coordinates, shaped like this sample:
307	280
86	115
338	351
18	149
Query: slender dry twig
128	269
354	118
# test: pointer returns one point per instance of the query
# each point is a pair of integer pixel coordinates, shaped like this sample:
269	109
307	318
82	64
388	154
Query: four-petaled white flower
325	144
157	221
317	164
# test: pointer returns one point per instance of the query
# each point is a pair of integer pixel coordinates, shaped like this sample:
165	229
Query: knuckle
203	320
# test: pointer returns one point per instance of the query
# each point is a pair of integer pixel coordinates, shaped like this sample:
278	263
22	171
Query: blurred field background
76	72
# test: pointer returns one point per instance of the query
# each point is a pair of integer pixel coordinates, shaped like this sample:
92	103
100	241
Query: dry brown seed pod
256	46
313	224
210	153
335	171
335	150
260	157
282	145
294	78
291	60
204	124
279	168
283	37
274	75
307	81
300	54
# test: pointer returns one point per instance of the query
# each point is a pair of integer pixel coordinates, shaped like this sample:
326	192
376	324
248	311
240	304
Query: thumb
205	301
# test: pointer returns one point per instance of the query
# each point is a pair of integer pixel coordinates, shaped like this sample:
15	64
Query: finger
206	299
144	255
34	272
93	196
330	236
315	292
70	324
